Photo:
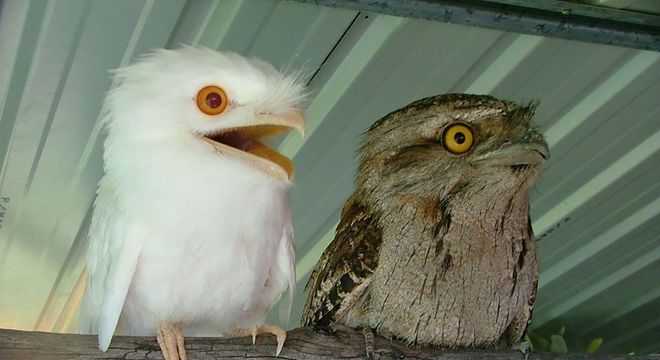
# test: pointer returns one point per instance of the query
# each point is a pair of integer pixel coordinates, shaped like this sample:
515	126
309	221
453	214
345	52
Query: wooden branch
303	343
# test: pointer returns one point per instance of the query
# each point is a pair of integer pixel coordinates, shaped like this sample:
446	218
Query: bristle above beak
293	119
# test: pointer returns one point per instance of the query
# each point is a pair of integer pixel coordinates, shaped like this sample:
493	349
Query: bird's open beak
245	142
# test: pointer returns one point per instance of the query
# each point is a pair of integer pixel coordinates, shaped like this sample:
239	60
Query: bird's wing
114	247
287	263
345	268
528	278
531	267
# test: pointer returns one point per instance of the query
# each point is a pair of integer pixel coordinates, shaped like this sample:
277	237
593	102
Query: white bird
191	229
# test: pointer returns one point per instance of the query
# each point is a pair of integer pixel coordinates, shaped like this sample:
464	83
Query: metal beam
552	18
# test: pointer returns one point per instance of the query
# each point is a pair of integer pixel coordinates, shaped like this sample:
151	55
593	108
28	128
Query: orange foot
170	340
265	329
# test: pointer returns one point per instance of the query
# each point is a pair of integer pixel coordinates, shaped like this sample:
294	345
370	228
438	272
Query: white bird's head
220	98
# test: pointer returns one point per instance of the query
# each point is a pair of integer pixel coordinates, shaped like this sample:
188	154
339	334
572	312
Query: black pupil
213	100
459	137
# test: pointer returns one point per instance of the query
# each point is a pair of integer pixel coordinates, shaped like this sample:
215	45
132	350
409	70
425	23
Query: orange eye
212	100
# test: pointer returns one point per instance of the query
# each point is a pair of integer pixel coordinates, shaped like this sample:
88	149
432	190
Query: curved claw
280	343
279	334
265	329
253	332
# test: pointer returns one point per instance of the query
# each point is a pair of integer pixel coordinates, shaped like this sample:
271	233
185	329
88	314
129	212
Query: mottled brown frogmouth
435	246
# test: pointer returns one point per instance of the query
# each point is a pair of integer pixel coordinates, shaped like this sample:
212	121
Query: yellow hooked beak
245	142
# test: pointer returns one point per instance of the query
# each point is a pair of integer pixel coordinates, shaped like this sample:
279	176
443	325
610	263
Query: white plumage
187	230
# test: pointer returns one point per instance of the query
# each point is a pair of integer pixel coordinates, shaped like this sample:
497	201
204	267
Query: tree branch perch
302	343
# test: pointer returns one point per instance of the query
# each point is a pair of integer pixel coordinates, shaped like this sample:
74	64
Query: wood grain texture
302	343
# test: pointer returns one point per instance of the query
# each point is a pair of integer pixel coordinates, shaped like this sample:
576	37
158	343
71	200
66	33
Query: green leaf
594	345
558	345
544	344
529	341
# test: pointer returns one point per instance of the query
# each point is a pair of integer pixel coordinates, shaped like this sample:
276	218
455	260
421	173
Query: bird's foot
368	334
170	340
524	346
265	329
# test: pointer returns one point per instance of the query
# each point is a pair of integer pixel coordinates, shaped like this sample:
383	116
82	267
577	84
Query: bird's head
224	100
437	145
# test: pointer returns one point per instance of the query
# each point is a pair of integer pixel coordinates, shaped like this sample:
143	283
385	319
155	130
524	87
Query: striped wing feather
344	270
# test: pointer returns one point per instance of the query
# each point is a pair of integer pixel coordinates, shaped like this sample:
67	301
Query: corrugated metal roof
596	210
648	6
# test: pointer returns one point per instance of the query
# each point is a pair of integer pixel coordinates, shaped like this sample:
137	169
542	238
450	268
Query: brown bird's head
440	145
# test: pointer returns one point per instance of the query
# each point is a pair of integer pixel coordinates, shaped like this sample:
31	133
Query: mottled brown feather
345	264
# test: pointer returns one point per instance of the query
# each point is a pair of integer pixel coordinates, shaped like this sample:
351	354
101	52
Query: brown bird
435	246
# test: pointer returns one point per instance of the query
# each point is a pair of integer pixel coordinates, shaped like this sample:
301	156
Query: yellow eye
212	100
457	138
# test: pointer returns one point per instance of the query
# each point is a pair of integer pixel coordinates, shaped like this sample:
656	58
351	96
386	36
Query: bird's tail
87	316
